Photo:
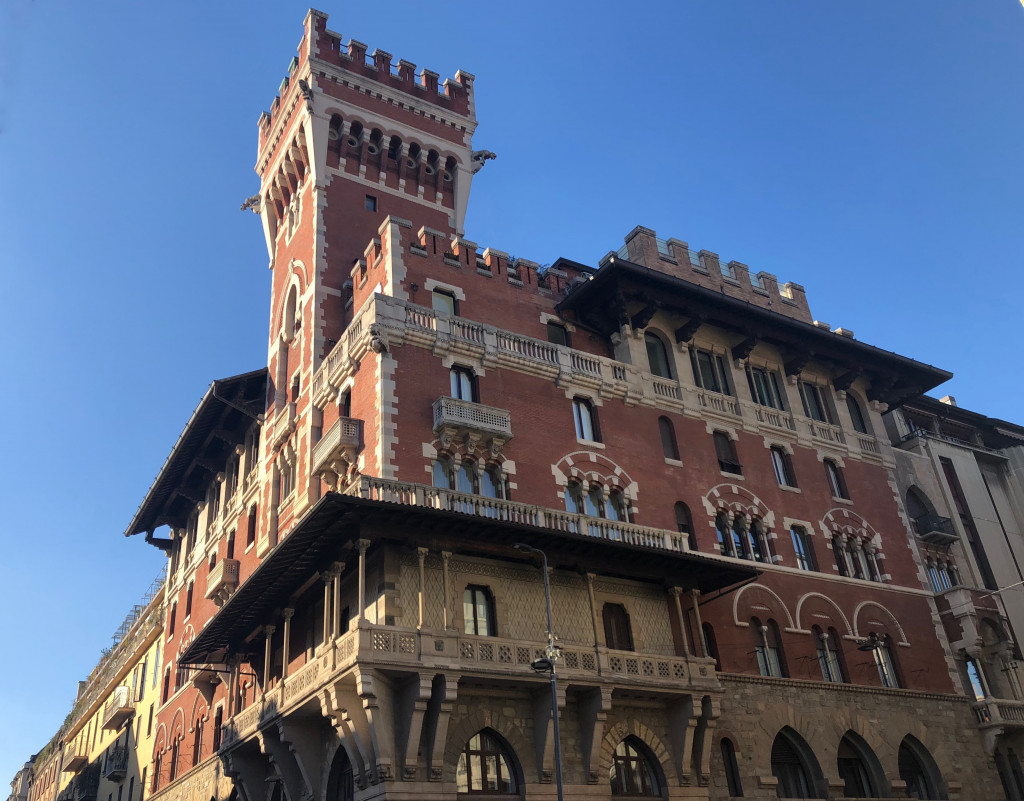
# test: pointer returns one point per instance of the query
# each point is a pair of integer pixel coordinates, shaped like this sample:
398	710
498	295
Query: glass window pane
465	479
593	502
442	302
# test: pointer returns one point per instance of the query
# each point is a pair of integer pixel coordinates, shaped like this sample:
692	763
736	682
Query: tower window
709	371
444	302
463	384
815	403
657	356
370	203
669	447
725	449
764	387
558	334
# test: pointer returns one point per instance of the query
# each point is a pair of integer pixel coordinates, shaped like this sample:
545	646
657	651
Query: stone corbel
544	734
682	725
284	762
377	697
335	702
411	708
248	772
439	713
594	708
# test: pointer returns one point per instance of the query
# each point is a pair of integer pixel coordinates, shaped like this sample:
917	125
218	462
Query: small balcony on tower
118	708
222	581
935	529
334	456
460	418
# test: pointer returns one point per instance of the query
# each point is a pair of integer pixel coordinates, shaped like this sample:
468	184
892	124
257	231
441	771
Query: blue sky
869	151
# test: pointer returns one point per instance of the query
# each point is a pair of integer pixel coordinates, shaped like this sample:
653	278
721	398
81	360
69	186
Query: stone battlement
705	268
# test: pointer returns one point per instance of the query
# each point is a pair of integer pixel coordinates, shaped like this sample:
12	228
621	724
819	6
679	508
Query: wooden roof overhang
218	424
624	293
331	528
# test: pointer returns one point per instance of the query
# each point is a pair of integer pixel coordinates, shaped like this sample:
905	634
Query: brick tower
350	141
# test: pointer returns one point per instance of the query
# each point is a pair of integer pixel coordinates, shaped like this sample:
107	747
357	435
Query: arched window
493	484
341	781
768	648
669	446
175	748
783	467
725	450
711	644
633	771
465	477
593	502
856	415
885	660
759	543
829	655
858	768
197	742
617	632
485	767
616	507
684	524
731	768
919	771
725	541
657	356
792	765
478	611
442	473
740	542
574	498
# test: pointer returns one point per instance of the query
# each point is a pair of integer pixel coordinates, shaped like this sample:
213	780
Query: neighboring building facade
103	752
354	600
959	473
21	782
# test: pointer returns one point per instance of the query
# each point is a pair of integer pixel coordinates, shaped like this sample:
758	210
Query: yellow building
108	742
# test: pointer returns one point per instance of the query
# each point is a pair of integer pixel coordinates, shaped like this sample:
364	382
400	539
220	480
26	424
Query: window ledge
732	475
787	488
675	462
847	501
589	443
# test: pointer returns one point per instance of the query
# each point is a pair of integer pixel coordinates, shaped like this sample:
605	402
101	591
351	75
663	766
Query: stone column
287	614
328	580
445	559
363	545
268	633
676	593
339	568
695	595
421	553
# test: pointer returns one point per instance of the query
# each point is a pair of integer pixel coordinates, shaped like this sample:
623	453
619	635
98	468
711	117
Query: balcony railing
284	422
75	757
498	658
935	529
115	766
118	708
346	433
87	783
826	432
775	417
474	417
222	581
999	712
378	489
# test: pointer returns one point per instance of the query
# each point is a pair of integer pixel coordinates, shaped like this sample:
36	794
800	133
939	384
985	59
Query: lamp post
548	663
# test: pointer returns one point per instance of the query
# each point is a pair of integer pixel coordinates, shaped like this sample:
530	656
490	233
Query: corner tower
350	140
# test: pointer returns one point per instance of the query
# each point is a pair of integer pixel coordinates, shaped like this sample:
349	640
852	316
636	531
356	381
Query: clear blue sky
870	151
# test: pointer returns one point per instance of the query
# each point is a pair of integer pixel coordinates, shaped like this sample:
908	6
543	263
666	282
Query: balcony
999	712
935	529
75	757
826	432
458	417
118	708
87	783
284	423
335	454
222	581
115	767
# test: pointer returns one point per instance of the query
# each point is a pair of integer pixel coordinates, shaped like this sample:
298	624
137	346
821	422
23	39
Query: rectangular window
370	203
149	722
230	554
764	387
802	547
725	450
170	619
218	723
710	372
585	419
783	467
836	482
188	599
886	666
558	334
463	384
444	302
131	788
250	533
815	404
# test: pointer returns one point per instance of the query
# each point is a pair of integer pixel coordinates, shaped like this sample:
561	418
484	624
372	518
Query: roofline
135	527
615	264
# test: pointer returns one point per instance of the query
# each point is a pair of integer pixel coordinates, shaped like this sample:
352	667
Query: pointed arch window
442	473
341	779
918	769
657	356
485	767
732	768
854	769
493	484
633	772
791	769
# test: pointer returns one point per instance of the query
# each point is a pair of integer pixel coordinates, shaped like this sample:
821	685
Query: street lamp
547	663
